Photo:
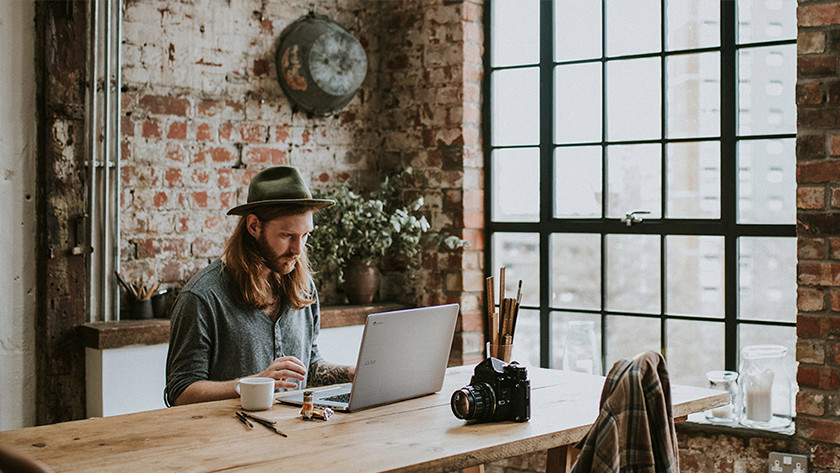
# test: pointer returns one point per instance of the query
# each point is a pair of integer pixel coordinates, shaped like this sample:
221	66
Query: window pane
516	32
516	185
516	107
693	180
633	270
766	90
693	348
767	278
577	30
519	254
577	182
526	347
575	270
634	99
749	334
769	20
629	336
577	342
767	181
633	27
577	107
634	180
694	266
693	95
692	24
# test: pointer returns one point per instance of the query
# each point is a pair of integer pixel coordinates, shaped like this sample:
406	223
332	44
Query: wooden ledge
105	335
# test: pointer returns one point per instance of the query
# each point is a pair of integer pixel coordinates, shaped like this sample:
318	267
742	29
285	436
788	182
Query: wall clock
320	65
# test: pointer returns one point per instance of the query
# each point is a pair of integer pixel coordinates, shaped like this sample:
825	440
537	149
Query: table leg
561	459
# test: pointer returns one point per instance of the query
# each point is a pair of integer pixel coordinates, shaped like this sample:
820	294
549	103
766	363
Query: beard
280	264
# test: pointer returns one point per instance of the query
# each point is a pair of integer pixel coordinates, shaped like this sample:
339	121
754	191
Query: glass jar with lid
766	388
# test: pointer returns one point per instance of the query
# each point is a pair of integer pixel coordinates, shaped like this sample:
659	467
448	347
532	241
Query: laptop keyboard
338	398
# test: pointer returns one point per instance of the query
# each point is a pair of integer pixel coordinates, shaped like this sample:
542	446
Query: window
641	175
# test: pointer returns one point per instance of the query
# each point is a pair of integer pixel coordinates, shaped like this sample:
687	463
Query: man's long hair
246	265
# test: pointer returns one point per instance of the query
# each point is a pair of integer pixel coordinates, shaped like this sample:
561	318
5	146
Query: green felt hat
278	185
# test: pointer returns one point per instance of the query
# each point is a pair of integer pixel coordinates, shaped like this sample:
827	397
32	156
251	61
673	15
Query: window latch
634	217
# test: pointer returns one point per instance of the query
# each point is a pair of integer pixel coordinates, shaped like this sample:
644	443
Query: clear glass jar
766	388
724	381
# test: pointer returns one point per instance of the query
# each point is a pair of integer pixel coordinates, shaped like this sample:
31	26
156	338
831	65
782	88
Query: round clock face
337	63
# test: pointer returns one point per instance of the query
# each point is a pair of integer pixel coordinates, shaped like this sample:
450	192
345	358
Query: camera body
497	391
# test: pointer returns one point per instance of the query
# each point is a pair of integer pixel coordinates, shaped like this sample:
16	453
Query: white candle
759	397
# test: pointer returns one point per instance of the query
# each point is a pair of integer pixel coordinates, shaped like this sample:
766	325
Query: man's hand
324	374
284	370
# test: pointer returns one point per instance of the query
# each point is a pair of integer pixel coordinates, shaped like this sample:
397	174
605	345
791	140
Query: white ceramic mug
256	394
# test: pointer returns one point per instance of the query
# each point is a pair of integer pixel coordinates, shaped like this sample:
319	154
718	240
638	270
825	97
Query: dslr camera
497	391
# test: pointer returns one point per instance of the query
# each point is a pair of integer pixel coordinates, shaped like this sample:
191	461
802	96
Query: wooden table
416	435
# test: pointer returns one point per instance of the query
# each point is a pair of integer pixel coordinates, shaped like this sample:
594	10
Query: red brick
814	274
127	126
834	296
816	66
203	132
809	197
200	176
176	153
834	145
281	134
810	147
809	94
819	15
217	154
473	219
151	129
817	118
177	131
826	456
173	177
810	248
820	171
810	403
263	155
810	300
228	108
162	105
160	199
821	430
810	326
199	199
818	377
253	133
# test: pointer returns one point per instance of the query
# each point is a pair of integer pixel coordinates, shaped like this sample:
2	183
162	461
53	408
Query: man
255	312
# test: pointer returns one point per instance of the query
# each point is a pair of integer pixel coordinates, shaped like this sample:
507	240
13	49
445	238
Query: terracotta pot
361	281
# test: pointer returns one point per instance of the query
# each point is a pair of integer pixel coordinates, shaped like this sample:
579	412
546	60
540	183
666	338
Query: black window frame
726	225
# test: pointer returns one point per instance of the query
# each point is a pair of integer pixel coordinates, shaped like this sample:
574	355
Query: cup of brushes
139	298
502	324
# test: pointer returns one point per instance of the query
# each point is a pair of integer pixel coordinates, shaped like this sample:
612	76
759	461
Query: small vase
361	281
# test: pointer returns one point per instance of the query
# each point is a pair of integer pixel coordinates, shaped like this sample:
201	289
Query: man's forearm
203	391
322	373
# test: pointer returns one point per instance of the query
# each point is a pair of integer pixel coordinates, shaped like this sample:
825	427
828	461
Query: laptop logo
370	362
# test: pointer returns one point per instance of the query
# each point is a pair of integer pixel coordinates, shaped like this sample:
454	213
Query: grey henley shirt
213	337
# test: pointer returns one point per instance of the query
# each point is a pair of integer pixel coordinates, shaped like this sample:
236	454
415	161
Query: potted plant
353	236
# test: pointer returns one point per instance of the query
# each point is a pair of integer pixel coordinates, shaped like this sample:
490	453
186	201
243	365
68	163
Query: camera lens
473	402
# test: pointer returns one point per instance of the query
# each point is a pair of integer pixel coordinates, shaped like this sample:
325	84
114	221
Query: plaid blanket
634	431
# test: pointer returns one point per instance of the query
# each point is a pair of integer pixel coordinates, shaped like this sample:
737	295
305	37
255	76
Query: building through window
641	175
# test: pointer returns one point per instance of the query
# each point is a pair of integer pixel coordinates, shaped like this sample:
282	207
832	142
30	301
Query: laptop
404	354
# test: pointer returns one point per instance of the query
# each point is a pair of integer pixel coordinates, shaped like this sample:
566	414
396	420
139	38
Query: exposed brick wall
818	229
203	112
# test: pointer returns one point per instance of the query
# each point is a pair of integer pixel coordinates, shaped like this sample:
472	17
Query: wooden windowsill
105	335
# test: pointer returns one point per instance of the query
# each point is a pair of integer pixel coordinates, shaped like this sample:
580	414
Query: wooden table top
416	435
